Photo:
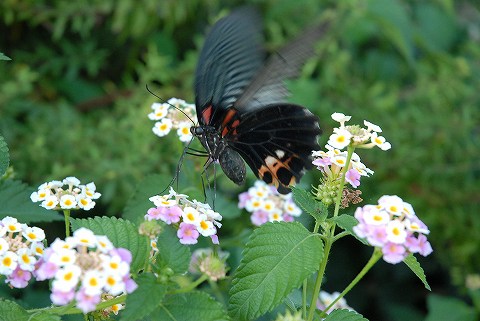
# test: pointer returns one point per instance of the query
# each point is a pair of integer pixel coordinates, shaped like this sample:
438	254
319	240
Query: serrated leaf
10	311
146	298
138	205
171	252
4	156
412	263
276	259
442	308
121	233
3	57
190	306
15	200
347	223
306	201
345	315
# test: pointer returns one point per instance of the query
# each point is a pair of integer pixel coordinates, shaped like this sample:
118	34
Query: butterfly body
241	107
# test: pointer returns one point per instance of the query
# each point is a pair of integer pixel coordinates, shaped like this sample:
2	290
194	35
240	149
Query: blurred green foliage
73	98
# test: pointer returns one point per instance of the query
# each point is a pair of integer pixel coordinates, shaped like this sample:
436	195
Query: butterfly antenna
166	102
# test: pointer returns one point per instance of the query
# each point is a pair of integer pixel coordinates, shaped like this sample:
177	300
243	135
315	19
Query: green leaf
412	263
44	316
305	200
348	222
442	308
395	24
277	258
3	57
138	205
146	298
345	315
4	156
190	306
15	201
171	252
10	311
121	233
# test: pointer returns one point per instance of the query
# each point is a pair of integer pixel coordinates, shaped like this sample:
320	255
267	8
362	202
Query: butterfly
241	106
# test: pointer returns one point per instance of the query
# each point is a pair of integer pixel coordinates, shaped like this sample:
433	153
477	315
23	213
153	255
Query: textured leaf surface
171	252
122	233
347	222
277	258
15	201
190	306
345	315
412	263
10	311
306	201
145	298
4	156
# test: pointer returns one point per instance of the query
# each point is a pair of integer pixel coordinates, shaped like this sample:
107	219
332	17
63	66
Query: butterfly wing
276	142
230	58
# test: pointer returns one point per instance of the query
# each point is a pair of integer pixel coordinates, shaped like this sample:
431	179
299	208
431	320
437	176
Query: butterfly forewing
230	58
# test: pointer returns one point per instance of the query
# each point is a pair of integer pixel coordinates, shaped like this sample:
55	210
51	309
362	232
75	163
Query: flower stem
191	286
318	281
329	237
377	254
304	299
66	214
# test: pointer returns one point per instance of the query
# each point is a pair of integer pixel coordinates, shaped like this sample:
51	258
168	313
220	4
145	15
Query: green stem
338	200
66	214
377	254
318	281
329	238
70	308
304	299
191	286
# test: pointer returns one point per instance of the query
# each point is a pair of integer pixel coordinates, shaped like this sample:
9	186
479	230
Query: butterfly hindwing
276	142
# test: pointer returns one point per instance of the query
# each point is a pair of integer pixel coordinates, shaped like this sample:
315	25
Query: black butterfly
241	107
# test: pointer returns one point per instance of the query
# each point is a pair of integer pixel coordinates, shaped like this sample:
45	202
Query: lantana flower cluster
20	248
68	194
192	218
393	226
332	161
267	205
167	117
85	267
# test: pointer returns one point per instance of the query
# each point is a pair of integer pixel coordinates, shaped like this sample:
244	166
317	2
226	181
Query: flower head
67	194
85	267
192	218
392	226
267	205
20	248
171	116
212	264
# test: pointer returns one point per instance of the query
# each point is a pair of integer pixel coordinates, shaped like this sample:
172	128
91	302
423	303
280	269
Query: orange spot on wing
207	114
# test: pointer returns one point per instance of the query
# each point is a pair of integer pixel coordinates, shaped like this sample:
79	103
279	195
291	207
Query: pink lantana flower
393	226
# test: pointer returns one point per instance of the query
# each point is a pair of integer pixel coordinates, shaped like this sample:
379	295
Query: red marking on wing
207	114
228	124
